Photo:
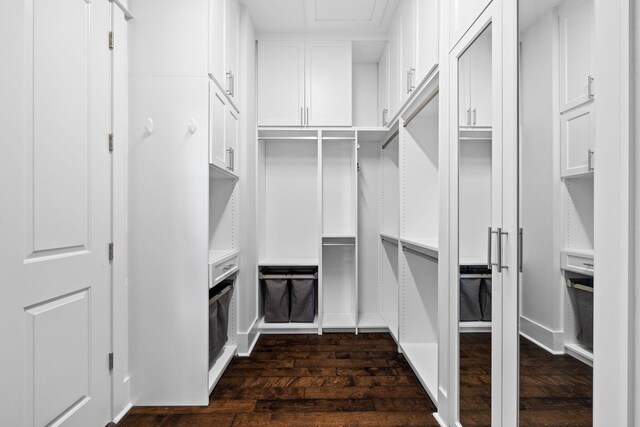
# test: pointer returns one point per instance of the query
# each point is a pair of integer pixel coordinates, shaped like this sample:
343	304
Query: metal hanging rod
288	276
391	138
421	106
476	276
216	297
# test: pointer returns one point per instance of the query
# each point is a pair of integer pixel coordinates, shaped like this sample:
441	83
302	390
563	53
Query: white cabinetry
224	29
475	83
576	52
427	38
462	14
223	130
232	28
383	86
577	141
304	84
408	47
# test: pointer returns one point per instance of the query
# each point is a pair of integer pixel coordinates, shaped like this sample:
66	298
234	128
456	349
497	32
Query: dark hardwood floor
308	380
554	390
347	379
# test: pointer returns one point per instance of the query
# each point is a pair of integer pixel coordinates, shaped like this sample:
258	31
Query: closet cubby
367	107
390	186
418	258
339	283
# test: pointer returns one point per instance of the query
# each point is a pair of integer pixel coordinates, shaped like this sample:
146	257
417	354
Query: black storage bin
470	310
303	300
214	344
219	304
485	299
584	302
276	303
222	329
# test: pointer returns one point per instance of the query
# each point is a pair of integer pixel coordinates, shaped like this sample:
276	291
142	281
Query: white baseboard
247	340
121	415
552	341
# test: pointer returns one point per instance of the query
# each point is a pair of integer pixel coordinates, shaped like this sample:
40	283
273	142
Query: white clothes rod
421	107
475	276
288	276
127	13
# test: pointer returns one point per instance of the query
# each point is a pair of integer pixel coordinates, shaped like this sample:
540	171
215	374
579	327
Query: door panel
383	87
427	37
232	29
280	83
480	80
56	185
217	140
328	83
217	50
576	140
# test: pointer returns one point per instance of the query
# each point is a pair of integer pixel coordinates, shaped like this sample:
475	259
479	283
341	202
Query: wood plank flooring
308	380
554	390
347	379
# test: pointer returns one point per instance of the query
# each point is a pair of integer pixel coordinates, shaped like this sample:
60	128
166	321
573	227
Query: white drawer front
578	263
222	270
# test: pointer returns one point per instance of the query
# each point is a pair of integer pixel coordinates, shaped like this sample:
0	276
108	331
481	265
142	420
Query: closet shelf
218	173
338	320
288	262
288	326
224	359
371	320
218	256
338	236
429	249
579	252
389	238
423	358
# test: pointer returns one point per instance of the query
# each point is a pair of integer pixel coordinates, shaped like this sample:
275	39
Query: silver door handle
489	260
500	234
590	161
412	74
520	249
590	87
307	119
228	74
468	116
384	117
474	116
229	158
301	116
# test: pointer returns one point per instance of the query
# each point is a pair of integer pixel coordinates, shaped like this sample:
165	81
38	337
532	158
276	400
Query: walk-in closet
319	212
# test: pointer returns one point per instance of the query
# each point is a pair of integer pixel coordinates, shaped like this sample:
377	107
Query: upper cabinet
383	87
413	48
224	30
462	14
304	83
576	33
475	83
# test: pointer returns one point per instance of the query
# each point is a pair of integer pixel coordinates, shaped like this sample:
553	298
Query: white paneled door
55	186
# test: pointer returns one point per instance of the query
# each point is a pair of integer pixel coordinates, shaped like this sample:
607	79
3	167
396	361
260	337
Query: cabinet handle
229	84
301	116
307	118
409	80
229	156
588	264
500	234
233	160
412	75
590	161
489	260
474	117
384	117
590	87
520	249
468	116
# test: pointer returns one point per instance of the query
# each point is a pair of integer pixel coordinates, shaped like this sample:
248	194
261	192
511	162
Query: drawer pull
588	264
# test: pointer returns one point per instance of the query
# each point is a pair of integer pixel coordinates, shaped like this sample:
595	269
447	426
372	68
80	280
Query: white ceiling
308	16
529	11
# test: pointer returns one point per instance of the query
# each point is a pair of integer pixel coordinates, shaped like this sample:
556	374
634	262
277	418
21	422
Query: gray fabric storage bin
584	301
276	302
470	310
214	344
222	329
485	299
303	306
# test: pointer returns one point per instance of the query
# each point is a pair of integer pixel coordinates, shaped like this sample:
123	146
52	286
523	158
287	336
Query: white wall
540	182
365	95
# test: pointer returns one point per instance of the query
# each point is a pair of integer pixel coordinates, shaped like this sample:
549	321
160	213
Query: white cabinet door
216	40
232	30
462	14
217	117
576	53
427	39
464	103
280	83
408	68
395	85
577	140
383	88
231	129
480	80
328	83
